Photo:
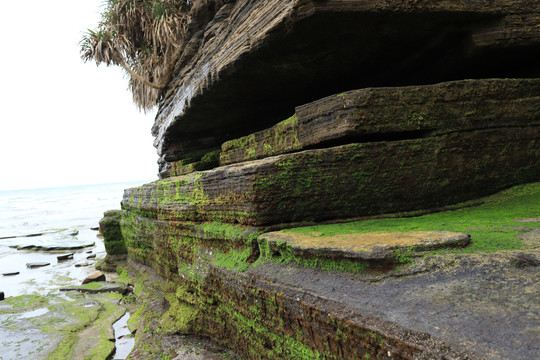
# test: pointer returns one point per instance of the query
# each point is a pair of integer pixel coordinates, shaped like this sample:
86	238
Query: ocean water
64	217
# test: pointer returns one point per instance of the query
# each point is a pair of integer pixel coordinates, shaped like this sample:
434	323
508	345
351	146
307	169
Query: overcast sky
63	122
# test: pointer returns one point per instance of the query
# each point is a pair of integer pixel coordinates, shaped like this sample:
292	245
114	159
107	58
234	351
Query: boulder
96	276
109	227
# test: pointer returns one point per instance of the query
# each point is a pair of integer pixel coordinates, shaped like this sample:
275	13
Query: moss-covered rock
315	303
392	113
347	181
54	326
109	226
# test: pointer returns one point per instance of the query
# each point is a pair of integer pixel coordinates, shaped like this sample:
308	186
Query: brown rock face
255	61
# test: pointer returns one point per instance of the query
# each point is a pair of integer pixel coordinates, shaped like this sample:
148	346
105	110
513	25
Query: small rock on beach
95	276
11	273
37	264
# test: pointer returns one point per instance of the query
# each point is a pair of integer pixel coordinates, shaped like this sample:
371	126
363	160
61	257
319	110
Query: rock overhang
259	61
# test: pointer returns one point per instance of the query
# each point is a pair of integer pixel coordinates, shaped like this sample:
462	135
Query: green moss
492	224
283	253
234	259
64	350
180	318
111	313
281	138
26	302
228	232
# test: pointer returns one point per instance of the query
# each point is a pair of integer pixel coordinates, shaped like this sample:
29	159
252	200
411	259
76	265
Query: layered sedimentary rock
349	180
260	131
255	61
378	114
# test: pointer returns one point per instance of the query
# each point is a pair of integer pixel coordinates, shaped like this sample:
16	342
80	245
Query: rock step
375	114
369	247
347	181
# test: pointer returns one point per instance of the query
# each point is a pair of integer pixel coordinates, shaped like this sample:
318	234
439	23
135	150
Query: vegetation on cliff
145	38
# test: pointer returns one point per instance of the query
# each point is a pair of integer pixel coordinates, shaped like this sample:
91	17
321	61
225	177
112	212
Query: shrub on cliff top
145	38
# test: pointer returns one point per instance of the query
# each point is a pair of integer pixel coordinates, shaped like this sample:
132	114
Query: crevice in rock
373	138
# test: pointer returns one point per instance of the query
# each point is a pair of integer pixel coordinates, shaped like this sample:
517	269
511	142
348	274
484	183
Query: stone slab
11	273
347	181
37	264
465	307
377	114
51	248
371	246
96	288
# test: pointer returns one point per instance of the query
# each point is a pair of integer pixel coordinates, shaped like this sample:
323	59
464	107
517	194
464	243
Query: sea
50	218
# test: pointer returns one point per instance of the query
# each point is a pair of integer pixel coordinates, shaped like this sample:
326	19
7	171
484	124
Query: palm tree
145	38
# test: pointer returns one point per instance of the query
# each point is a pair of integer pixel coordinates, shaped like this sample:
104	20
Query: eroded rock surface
371	247
49	327
256	61
397	113
109	227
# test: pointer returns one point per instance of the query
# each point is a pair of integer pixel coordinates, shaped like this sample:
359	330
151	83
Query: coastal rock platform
48	327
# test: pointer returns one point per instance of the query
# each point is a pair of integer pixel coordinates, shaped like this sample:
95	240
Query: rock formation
292	112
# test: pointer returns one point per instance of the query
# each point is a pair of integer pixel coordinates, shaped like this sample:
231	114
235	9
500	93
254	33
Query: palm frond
142	36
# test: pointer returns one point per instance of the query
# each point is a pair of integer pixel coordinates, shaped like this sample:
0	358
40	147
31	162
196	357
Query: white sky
63	122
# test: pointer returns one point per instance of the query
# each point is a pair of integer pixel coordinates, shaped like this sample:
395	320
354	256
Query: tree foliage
145	38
